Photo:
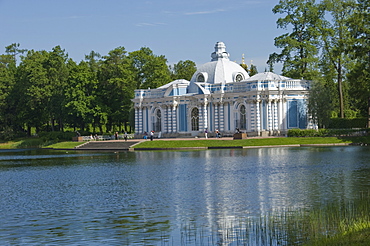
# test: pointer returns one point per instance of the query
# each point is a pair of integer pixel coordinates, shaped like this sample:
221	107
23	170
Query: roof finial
220	52
243	60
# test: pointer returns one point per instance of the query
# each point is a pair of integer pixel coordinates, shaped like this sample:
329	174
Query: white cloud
143	24
205	12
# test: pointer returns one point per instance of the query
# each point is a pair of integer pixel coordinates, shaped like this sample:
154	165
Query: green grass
63	145
242	142
354	238
194	143
36	143
22	144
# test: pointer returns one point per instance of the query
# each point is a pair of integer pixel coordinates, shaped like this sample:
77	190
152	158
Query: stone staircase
107	145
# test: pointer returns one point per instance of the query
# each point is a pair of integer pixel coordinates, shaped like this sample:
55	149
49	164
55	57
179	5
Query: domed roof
220	69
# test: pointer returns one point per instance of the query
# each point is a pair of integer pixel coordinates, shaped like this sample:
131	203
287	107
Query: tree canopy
327	42
48	91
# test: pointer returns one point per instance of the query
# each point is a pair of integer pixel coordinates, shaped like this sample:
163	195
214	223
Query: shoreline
243	147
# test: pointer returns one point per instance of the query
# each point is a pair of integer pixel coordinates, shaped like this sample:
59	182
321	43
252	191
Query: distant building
221	96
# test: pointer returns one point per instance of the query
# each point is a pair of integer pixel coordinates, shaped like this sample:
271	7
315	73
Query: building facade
222	96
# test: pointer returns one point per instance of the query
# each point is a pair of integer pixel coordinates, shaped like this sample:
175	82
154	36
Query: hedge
345	123
327	132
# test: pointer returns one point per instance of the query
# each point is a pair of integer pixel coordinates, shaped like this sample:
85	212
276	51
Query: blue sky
177	29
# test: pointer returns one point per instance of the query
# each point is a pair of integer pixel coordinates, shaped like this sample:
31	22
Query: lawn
63	145
196	143
242	142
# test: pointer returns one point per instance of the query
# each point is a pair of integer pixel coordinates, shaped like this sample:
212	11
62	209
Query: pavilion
222	96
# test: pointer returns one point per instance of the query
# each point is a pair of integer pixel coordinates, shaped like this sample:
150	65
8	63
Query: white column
216	118
169	119
269	115
284	120
258	117
276	118
164	119
222	118
136	120
140	120
174	118
280	109
200	108
205	114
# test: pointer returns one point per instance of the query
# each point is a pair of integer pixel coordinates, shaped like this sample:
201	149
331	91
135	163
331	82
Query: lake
168	197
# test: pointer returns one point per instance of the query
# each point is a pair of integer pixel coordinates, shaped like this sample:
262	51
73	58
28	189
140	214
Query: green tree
57	73
32	90
359	75
320	105
149	70
80	94
7	81
183	70
300	46
14	50
116	87
336	40
253	70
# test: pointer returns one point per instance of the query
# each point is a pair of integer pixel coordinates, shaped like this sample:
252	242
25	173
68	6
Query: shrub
326	132
56	136
341	123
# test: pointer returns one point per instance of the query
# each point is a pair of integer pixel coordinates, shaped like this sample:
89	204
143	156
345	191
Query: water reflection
167	198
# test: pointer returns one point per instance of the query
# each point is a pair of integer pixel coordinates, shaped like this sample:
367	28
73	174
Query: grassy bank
193	143
22	143
36	143
249	142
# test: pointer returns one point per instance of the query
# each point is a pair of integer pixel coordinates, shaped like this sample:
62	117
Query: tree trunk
340	90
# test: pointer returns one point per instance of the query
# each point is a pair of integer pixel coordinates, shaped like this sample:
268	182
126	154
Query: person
151	135
206	133
125	136
145	135
159	134
217	133
116	135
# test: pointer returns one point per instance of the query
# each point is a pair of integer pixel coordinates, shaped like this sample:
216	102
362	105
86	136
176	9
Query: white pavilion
222	96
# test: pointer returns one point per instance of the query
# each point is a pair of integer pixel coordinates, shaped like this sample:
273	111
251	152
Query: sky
177	29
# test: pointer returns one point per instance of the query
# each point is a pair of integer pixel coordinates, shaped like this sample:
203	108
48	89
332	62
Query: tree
32	91
183	70
80	94
299	47
253	70
359	75
336	40
320	105
57	72
149	70
7	81
14	50
116	85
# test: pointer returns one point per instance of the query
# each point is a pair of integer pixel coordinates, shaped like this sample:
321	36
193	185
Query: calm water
166	198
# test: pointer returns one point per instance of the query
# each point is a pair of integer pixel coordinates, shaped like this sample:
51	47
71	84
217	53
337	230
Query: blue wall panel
297	113
183	118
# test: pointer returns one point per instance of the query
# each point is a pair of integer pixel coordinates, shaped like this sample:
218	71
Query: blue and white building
222	96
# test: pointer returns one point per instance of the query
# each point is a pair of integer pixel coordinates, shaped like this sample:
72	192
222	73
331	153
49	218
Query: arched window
243	117
200	78
158	121
195	119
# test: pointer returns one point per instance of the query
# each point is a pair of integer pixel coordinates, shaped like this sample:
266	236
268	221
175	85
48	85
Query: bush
7	134
326	132
341	123
56	136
